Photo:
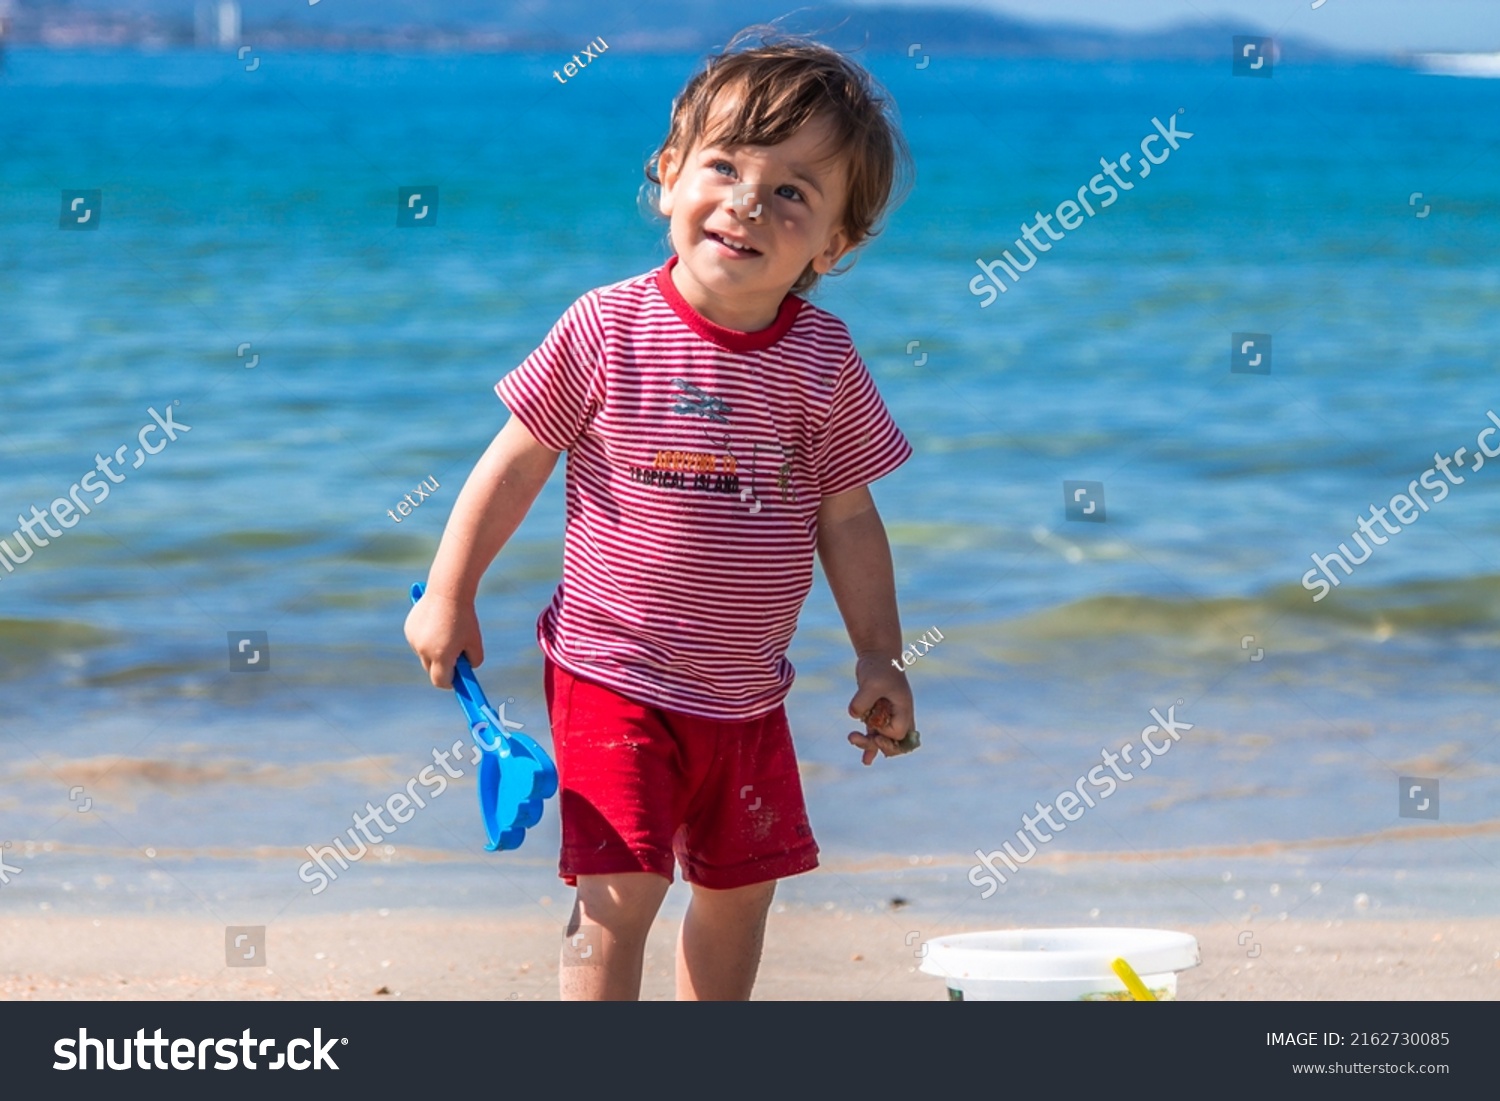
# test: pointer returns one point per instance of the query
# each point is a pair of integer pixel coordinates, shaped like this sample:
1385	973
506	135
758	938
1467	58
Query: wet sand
810	954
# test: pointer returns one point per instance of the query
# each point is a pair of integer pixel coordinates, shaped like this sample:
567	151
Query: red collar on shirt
730	339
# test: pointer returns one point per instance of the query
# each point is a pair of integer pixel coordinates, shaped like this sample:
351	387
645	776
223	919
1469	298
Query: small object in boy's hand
880	715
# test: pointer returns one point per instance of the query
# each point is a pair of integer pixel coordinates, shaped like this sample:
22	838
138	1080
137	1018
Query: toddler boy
719	430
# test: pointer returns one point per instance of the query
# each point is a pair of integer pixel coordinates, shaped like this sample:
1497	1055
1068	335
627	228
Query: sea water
248	266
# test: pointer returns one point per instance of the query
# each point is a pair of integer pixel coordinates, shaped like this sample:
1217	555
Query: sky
1376	25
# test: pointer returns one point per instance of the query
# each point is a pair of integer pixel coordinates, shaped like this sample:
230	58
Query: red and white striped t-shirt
697	459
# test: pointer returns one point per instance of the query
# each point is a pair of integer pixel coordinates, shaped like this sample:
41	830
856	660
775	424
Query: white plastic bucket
1058	965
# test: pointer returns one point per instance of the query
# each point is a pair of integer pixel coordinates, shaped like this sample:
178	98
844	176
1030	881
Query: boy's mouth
730	247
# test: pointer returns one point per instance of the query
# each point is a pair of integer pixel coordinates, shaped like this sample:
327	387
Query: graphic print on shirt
783	477
710	473
747	492
783	473
700	402
719	470
690	470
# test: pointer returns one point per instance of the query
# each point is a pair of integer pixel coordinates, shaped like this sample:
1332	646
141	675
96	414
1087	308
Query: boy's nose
745	199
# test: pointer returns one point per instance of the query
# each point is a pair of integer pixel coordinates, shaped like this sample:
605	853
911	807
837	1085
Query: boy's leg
605	945
745	828
718	949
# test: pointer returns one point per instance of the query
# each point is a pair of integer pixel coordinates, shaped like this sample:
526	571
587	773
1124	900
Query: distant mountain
659	26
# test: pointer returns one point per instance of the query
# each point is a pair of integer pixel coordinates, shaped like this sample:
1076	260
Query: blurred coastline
670	26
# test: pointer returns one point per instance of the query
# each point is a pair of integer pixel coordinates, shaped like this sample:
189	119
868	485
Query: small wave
1377	612
882	863
114	774
1428	831
1218	796
1446	604
939	535
394	549
139	674
25	643
230	543
1425	832
409	854
1471	65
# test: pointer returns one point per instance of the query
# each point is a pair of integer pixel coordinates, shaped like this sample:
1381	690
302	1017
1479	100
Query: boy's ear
668	168
839	246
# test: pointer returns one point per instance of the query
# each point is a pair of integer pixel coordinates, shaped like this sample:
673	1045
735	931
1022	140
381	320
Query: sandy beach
810	954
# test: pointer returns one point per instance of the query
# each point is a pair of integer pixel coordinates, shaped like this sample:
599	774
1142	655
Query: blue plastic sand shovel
515	774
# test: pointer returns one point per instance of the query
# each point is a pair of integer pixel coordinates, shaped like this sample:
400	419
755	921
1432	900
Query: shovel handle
470	696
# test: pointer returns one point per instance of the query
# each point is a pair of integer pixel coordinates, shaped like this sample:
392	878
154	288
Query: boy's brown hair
779	85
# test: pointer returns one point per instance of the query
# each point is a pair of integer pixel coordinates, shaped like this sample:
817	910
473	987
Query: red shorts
639	785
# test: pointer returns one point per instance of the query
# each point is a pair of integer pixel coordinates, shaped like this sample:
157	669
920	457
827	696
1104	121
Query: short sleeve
558	388
859	443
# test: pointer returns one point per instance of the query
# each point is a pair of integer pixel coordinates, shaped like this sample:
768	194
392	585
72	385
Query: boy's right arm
492	504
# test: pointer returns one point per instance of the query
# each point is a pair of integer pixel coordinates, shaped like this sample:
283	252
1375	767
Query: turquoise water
259	209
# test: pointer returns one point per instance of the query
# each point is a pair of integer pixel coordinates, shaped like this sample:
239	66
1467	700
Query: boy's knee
750	897
616	901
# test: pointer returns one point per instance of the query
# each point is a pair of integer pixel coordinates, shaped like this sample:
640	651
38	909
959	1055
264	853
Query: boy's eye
785	190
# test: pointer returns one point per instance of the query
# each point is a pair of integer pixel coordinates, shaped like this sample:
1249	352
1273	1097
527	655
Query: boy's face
789	213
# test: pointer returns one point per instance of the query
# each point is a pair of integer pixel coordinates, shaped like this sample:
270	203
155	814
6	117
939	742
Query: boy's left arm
856	557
